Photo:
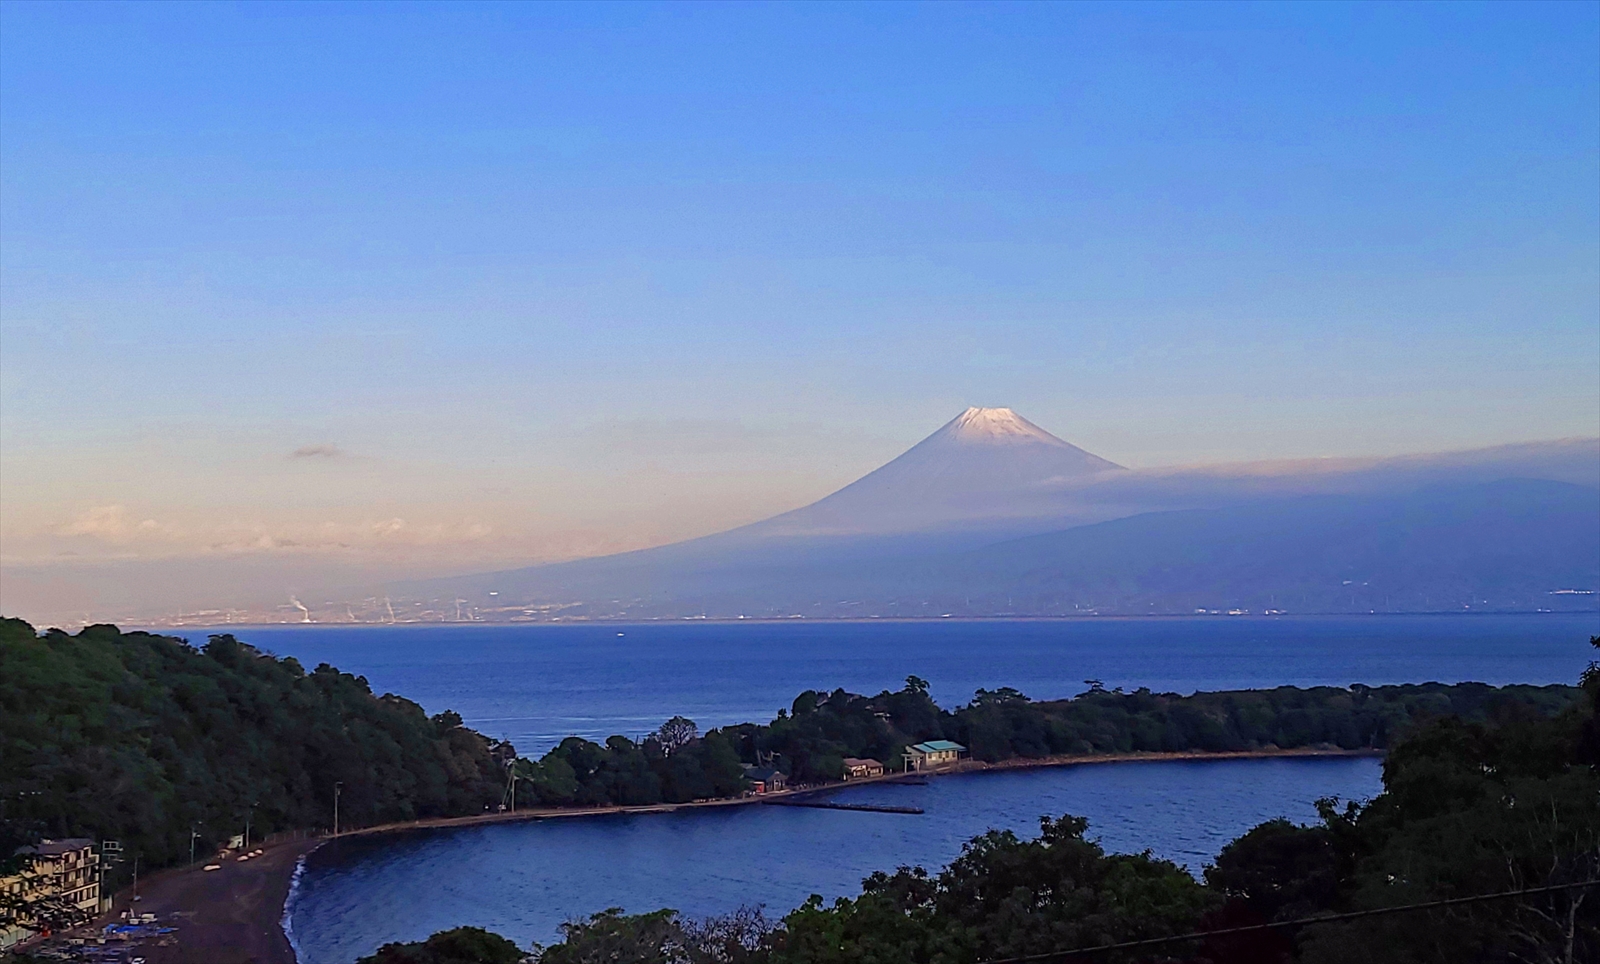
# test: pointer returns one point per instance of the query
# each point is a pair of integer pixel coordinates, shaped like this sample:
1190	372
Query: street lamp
194	833
337	788
248	813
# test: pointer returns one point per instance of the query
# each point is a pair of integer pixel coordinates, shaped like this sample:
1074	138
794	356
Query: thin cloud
318	452
109	523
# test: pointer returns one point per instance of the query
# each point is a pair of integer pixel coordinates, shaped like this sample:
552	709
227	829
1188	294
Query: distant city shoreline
842	620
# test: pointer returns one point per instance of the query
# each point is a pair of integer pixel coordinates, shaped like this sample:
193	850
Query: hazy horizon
236	584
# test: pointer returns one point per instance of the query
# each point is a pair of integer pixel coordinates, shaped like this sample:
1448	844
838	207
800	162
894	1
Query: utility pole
194	832
338	787
511	785
249	812
110	854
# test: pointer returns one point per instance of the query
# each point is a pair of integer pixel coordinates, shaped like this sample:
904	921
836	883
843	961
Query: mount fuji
985	466
993	515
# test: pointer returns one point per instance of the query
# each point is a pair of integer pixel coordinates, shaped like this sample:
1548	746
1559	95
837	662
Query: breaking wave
287	921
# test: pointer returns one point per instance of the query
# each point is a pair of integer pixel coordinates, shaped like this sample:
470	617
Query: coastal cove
523	879
257	925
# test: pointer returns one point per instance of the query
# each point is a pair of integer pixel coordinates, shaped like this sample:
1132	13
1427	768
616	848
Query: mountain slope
986	464
987	474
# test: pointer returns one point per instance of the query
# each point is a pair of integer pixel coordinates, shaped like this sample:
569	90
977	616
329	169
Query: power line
1298	922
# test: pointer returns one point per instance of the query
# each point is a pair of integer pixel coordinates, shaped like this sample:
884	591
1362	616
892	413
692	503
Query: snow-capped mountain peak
984	464
995	425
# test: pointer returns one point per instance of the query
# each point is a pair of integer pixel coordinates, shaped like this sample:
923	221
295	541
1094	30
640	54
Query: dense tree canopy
144	738
811	740
460	945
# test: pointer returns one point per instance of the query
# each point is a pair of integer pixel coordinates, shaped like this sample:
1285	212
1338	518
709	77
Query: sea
535	684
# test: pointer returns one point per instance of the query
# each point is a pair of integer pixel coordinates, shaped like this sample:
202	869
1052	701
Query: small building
933	754
764	779
855	768
68	870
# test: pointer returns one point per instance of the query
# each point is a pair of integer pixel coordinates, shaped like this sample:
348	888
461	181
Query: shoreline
960	769
241	913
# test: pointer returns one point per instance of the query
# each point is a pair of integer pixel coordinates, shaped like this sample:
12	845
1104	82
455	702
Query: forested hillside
144	738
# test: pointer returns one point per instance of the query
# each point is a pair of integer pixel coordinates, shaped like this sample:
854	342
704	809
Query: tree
1002	897
662	937
140	737
1279	870
462	945
612	937
676	734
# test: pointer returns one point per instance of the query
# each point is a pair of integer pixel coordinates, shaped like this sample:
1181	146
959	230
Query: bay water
534	684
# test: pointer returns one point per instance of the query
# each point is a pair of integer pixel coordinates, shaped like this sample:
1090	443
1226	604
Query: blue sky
537	280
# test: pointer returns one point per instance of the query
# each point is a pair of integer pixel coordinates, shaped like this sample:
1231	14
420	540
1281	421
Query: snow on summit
995	425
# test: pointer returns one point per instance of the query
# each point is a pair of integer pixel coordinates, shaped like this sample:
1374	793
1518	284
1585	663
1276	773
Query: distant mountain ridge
991	514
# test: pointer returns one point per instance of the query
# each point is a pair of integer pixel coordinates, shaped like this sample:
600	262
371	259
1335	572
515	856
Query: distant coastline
131	625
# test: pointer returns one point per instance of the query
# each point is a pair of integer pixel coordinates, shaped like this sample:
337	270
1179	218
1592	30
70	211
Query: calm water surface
523	880
534	684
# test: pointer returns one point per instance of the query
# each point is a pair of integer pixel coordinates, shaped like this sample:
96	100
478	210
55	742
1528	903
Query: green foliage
1003	724
1002	897
1473	809
142	738
662	937
809	742
583	773
1279	870
463	945
655	938
1505	802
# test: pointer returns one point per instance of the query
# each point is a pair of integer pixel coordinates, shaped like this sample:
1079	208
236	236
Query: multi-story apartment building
68	870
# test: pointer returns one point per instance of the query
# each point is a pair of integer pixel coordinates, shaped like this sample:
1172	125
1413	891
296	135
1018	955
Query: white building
933	754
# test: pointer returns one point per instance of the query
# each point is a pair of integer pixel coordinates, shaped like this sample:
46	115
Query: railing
285	836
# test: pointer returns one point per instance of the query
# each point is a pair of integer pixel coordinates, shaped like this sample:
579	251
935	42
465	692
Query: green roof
933	745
